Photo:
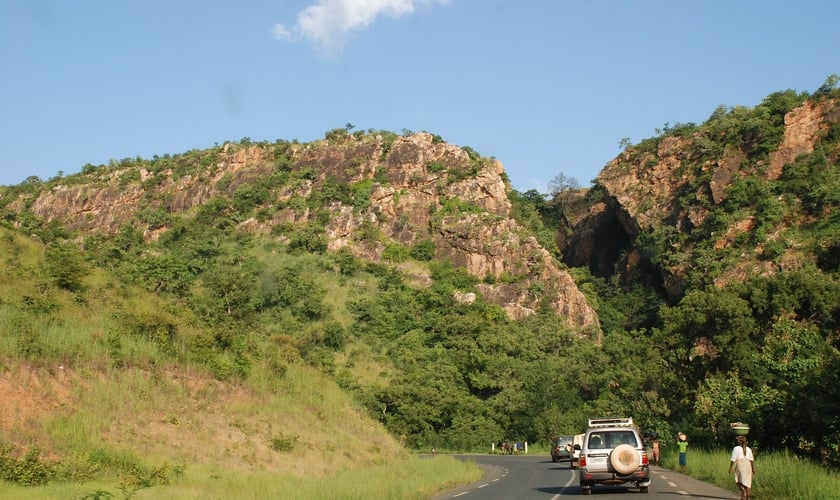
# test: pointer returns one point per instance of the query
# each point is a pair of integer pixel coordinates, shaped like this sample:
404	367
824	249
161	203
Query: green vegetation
225	344
148	342
413	478
778	474
746	328
761	348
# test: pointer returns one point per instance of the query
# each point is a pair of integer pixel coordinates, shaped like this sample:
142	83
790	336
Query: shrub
361	195
309	239
284	442
395	252
155	218
66	267
26	471
348	263
423	250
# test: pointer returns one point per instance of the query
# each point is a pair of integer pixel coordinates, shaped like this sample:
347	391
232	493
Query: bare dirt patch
31	393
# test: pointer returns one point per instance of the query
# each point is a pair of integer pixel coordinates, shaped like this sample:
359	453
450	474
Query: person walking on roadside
654	448
744	463
682	445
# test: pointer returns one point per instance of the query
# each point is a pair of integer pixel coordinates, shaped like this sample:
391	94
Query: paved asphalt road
537	477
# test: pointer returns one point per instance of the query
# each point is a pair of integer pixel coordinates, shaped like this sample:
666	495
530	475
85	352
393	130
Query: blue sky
545	86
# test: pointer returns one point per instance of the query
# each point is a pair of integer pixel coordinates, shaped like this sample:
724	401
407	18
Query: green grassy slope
86	398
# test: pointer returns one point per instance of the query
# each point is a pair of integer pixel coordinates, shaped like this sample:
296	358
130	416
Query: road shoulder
682	484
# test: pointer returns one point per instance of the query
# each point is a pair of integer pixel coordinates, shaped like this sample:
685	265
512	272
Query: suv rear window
611	439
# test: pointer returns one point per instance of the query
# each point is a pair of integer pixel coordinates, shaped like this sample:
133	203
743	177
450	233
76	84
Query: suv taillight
644	458
582	460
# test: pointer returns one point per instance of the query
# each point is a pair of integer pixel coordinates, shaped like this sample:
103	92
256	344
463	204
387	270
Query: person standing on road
682	445
744	463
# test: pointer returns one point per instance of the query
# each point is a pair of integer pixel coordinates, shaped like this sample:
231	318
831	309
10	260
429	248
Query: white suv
613	453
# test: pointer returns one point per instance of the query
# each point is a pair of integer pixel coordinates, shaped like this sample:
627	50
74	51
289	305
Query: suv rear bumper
640	477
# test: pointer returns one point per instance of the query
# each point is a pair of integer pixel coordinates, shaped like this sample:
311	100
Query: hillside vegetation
308	308
731	267
99	390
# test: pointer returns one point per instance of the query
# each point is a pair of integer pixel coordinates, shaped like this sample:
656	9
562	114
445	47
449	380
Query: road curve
537	477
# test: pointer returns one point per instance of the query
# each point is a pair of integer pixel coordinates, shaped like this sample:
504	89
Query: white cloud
329	23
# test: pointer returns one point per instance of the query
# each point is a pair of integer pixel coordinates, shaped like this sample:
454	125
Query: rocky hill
680	182
367	191
406	190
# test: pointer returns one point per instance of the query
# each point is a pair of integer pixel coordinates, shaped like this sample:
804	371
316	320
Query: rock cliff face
675	183
647	186
420	189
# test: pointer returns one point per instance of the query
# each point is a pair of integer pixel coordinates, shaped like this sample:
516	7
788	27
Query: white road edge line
568	484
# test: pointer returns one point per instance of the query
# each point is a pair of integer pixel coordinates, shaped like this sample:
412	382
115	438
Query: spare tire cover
624	459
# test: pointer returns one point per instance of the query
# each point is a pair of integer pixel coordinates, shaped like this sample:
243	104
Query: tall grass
409	478
778	474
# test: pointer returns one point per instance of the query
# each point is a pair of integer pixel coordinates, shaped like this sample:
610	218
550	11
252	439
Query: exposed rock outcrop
672	181
420	188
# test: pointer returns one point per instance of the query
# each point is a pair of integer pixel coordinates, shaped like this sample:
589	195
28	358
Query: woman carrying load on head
682	446
744	463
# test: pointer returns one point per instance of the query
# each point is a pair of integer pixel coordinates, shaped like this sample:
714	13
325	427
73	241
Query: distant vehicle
561	449
613	453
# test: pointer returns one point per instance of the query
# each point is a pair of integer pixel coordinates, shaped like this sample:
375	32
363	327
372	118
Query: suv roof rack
611	422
